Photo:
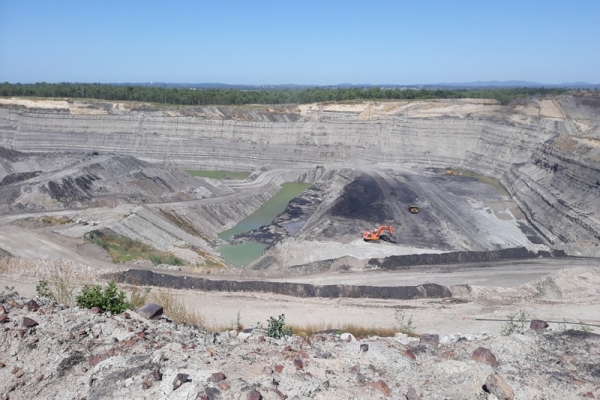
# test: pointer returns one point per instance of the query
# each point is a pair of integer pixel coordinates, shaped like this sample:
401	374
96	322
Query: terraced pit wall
521	144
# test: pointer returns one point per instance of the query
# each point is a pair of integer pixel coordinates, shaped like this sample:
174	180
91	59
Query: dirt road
504	274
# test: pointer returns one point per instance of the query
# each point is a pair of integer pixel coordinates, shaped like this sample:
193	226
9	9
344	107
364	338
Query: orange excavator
385	233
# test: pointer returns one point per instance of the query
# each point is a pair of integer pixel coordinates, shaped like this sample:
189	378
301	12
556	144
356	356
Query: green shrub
7	293
165	259
123	249
517	323
43	289
276	327
405	325
110	299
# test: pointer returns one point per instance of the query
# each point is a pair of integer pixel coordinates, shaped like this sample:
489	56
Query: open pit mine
264	208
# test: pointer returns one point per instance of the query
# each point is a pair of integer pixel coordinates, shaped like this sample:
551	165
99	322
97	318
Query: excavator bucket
388	238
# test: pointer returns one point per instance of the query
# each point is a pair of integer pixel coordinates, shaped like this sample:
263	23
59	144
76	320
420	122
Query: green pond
239	255
219	174
243	254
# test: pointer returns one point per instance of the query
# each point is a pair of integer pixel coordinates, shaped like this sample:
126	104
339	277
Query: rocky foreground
50	351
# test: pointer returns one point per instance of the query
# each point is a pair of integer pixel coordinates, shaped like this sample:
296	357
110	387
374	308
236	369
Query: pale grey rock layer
556	185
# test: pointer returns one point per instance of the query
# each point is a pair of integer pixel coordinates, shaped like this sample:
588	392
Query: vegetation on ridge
122	249
191	96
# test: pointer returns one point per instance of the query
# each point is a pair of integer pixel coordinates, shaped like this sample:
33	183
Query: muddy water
243	254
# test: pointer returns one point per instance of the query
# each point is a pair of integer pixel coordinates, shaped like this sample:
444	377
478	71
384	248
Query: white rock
173	347
347	337
158	357
404	339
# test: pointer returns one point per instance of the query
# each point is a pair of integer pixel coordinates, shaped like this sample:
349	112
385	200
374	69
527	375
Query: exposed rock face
559	188
545	151
74	181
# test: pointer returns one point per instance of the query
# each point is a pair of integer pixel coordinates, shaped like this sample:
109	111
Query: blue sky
303	42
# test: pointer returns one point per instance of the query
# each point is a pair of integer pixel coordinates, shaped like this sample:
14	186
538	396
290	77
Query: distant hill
509	85
444	85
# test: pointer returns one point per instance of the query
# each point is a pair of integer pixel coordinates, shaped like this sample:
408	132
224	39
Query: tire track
461	222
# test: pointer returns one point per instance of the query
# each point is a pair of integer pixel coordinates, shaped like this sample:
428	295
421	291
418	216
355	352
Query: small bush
236	324
138	298
517	323
165	259
60	286
276	327
405	325
7	293
43	289
109	299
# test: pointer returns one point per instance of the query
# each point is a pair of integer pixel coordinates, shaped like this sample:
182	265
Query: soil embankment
149	278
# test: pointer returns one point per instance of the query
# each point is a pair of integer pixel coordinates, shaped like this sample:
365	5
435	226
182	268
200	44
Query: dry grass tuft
47	269
61	285
356	330
175	309
61	277
138	297
47	220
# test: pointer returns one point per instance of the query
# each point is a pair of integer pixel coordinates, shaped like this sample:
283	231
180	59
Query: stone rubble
76	353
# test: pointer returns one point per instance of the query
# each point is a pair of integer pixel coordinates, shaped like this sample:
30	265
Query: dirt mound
575	283
19	176
10	154
81	180
459	257
362	199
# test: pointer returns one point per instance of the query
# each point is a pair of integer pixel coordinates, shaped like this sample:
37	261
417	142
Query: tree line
182	96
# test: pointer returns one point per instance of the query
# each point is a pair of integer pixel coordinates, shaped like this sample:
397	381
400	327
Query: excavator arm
385	233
